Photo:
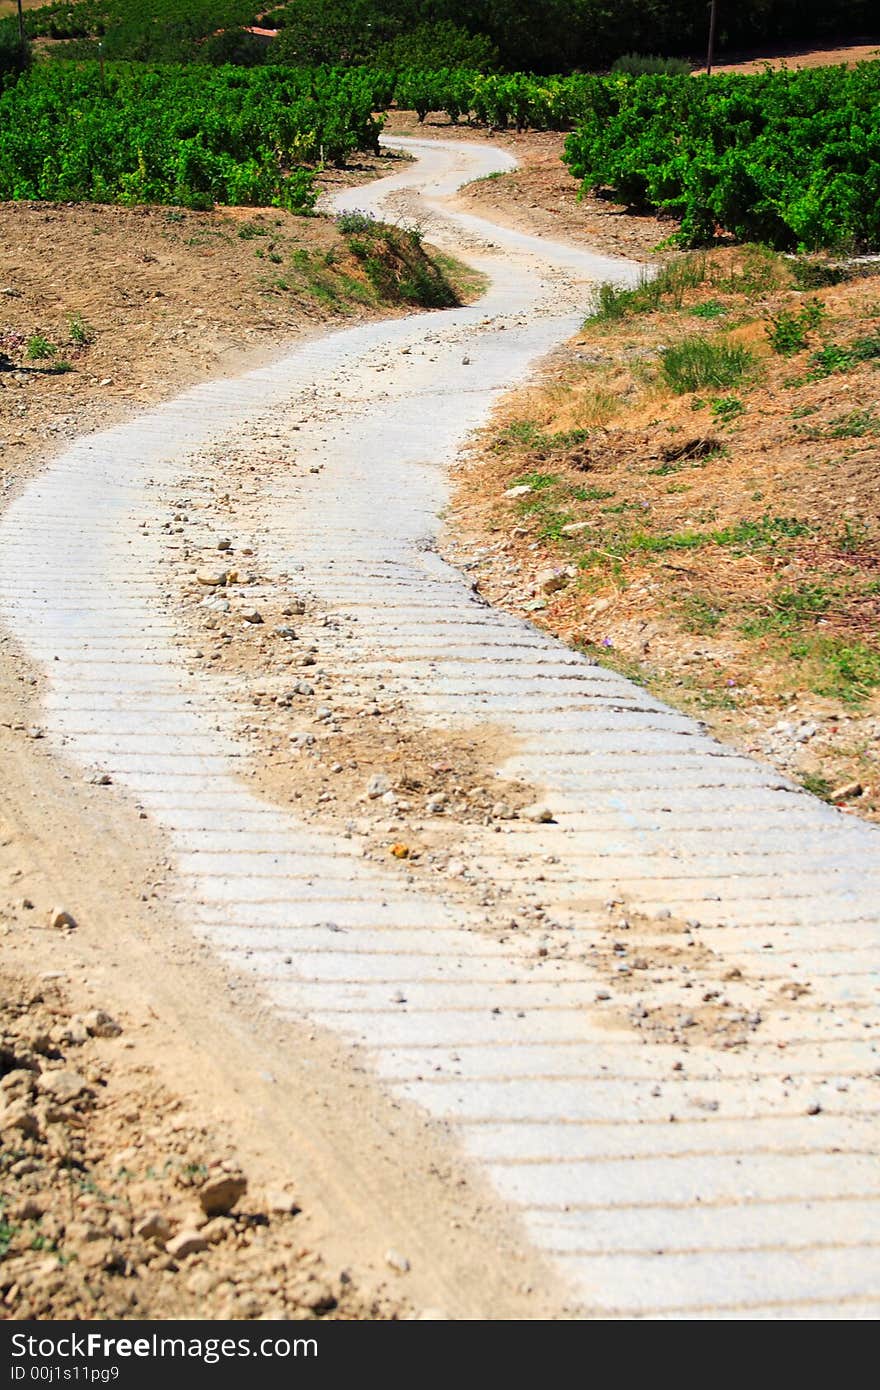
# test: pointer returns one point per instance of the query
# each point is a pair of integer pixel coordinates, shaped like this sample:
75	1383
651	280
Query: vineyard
787	158
193	136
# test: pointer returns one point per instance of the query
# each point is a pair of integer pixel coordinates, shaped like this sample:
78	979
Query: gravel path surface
645	1006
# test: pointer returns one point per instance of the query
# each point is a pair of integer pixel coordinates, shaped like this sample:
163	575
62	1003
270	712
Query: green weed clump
38	348
664	290
789	330
839	669
834	357
639	64
81	333
398	268
696	364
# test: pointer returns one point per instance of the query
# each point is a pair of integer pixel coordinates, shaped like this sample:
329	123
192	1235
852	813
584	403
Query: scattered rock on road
219	1194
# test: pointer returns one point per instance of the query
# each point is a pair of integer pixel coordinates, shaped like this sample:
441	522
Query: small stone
541	815
95	1254
254	616
217	1229
19	1115
814	1108
32	1207
219	1194
61	919
212	578
522	490
294	606
224	544
280	1203
805	733
400	851
395	1260
847	792
502	811
378	785
187	1243
303	688
153	1226
435	804
550	581
574	528
201	1282
101	1024
63	1086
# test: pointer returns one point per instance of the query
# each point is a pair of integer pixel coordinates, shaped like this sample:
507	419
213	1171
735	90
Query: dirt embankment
103	309
690	493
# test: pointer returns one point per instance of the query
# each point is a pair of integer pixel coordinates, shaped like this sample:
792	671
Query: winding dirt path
645	1030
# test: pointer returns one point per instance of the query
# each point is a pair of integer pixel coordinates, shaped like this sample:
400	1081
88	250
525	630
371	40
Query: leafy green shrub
791	158
840	669
788	330
726	408
235	46
81	333
854	425
38	348
710	309
194	136
353	222
14	60
835	358
789	609
641	64
697	363
440	45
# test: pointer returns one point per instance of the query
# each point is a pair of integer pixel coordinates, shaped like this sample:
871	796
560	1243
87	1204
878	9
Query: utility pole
20	26
710	52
